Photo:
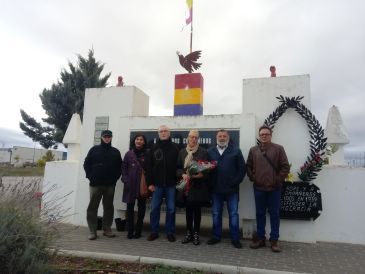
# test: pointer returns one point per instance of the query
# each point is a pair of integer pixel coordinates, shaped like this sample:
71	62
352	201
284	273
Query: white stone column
72	138
337	137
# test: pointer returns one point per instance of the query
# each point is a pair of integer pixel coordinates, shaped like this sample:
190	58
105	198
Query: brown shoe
255	244
92	236
275	247
108	233
171	238
152	237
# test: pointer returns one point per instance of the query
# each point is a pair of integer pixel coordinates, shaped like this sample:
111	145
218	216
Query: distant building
18	156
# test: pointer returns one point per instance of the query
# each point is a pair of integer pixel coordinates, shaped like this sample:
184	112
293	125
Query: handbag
143	187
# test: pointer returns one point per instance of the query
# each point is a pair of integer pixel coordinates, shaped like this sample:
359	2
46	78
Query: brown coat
259	170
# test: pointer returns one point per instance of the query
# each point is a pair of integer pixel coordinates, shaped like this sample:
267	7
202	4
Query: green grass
22	171
164	269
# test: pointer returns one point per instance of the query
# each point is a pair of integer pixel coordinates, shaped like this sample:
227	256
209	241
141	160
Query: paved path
296	257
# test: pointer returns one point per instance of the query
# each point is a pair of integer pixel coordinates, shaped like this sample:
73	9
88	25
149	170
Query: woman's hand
151	188
185	177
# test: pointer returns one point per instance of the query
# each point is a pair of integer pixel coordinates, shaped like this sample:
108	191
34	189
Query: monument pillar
188	99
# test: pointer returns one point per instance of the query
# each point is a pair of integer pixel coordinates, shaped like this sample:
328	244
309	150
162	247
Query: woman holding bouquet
195	192
132	168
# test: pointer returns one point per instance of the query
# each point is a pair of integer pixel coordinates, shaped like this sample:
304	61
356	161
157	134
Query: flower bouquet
194	168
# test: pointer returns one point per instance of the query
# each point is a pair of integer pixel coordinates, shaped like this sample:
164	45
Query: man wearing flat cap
103	168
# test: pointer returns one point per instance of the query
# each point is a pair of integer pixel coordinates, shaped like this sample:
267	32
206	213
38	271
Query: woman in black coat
133	165
197	194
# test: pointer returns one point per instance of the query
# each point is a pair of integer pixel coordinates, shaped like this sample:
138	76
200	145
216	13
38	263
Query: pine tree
63	99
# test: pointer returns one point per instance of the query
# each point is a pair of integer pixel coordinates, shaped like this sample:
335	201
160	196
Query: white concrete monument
124	110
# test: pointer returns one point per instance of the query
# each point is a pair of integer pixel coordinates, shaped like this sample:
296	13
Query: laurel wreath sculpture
313	164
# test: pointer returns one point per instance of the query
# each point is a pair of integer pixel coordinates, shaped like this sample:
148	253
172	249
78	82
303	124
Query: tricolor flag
190	7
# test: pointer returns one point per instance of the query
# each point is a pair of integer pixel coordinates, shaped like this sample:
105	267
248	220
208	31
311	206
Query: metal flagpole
191	28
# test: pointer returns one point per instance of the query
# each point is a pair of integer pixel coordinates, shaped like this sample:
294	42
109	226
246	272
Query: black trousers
193	218
141	204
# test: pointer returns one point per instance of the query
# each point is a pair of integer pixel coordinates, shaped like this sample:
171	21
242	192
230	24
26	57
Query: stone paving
295	257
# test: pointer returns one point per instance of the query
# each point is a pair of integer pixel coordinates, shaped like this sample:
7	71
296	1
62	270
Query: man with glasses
267	167
103	167
161	180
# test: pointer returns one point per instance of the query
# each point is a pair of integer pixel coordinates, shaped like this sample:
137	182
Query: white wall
113	102
27	154
259	98
4	156
59	181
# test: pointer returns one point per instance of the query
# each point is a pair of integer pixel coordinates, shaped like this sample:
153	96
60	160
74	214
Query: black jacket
103	165
161	164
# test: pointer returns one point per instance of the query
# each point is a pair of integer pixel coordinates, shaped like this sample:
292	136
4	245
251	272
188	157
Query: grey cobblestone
296	257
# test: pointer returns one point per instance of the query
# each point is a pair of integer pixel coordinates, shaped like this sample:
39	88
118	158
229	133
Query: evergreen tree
63	99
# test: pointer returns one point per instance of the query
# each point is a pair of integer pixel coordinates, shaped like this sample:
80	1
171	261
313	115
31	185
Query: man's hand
151	188
197	176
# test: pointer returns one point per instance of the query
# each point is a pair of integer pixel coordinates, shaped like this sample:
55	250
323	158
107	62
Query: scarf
189	156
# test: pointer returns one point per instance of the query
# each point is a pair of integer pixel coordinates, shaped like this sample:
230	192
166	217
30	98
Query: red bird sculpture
189	61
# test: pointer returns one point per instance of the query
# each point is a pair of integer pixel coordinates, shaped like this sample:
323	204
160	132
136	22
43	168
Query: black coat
161	164
103	165
199	194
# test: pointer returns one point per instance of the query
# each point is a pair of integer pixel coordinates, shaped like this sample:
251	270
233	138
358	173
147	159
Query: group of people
164	165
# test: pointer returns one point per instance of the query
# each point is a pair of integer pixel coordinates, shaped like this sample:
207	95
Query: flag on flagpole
190	7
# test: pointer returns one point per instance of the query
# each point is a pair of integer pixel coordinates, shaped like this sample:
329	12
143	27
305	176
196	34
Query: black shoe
137	235
196	240
171	238
152	237
237	244
130	235
188	238
213	241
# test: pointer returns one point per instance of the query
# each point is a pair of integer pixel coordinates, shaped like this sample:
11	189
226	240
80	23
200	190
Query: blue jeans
157	196
232	207
268	200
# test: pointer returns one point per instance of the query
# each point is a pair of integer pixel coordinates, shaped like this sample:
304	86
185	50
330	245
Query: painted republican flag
188	99
190	7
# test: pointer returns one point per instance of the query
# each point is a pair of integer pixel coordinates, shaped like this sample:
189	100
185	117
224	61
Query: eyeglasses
162	131
264	134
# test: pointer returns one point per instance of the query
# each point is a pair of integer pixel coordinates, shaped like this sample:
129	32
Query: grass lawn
68	265
21	171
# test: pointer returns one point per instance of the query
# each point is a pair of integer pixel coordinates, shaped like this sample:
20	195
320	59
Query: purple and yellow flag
190	7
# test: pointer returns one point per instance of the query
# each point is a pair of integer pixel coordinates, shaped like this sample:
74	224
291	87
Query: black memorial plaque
300	201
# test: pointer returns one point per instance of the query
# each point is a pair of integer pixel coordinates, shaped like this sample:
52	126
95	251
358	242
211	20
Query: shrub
48	157
41	163
26	230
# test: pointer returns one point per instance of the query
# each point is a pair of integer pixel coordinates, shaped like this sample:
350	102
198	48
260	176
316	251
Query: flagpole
191	29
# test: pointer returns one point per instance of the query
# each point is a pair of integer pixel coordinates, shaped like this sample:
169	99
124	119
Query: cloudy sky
138	40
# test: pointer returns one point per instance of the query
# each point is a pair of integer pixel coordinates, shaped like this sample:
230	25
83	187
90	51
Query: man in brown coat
267	167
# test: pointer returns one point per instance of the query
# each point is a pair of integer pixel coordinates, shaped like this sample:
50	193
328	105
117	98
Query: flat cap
106	133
